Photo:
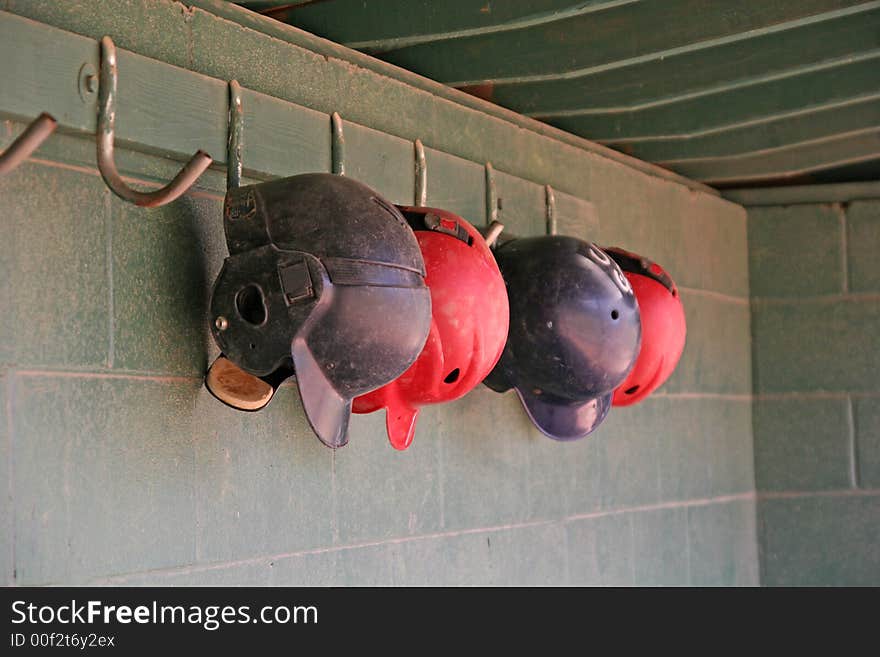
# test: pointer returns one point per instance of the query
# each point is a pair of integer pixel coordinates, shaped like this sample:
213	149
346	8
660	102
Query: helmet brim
327	411
562	419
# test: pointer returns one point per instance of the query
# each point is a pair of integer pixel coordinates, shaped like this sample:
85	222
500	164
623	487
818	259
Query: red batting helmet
468	325
663	326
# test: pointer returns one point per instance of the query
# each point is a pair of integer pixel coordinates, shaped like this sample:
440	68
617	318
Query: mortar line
108	375
844	255
659	506
657	469
727	396
193	192
687	546
441	474
820	298
759	540
846	492
111	299
334	504
712	294
8	383
197	503
566	555
632	548
819	394
195	568
853	445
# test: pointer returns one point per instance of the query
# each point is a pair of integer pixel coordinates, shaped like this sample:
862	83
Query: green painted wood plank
576	217
393	23
796	194
158	28
196	120
318	62
37	63
593	38
821	122
329	83
521	205
457	185
754	102
41	61
788	161
281	138
667	74
852	172
384	162
162	109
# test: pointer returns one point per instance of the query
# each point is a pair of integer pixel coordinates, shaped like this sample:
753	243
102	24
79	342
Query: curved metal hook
493	232
550	205
105	137
27	142
491	195
337	144
421	192
234	138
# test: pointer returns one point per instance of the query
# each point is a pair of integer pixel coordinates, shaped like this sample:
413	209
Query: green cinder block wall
117	467
815	284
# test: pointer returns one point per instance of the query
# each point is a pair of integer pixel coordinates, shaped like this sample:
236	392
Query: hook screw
87	82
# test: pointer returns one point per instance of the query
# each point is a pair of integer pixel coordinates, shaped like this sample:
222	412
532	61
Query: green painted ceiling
734	93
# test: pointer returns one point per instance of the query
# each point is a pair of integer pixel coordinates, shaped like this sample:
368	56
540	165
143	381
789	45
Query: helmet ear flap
474	374
240	390
256	296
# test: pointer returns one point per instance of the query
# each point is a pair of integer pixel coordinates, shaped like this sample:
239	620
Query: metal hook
234	139
421	191
105	137
493	232
27	142
491	195
337	144
550	204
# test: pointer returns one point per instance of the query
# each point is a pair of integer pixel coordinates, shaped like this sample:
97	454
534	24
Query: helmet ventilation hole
250	305
452	377
631	391
614	314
